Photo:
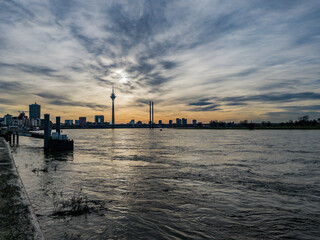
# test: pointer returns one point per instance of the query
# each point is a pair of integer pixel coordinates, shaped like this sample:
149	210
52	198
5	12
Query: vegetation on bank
303	123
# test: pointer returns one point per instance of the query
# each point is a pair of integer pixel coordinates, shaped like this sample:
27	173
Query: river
177	184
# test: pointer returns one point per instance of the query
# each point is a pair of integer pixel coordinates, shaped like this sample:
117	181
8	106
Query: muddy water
178	184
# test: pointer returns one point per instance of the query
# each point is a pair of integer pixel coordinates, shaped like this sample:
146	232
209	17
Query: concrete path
17	220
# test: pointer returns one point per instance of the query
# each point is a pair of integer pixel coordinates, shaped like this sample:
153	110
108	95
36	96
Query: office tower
170	122
194	122
82	120
58	125
99	119
178	121
34	111
113	97
184	121
7	119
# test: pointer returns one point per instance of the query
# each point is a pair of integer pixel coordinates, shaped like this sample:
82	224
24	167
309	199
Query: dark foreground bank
17	220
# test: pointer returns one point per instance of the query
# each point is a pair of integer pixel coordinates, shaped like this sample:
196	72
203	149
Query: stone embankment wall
17	219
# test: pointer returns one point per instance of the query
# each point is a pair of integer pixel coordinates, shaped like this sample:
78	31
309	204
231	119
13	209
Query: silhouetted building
7	119
113	97
35	122
160	121
194	122
132	122
68	122
184	121
99	119
82	120
76	122
170	122
178	121
34	111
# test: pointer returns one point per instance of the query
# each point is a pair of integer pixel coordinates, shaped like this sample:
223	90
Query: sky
204	60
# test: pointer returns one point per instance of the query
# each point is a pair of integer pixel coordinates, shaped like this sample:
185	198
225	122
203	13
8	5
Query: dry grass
77	204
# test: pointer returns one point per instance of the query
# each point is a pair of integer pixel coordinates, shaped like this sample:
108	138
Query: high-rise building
160	122
194	122
82	120
76	122
7	119
99	119
184	121
178	121
113	97
68	122
170	122
34	111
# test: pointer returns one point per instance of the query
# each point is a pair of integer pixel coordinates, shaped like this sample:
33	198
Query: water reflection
58	156
181	184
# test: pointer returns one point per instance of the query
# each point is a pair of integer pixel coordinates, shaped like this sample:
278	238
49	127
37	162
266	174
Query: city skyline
207	60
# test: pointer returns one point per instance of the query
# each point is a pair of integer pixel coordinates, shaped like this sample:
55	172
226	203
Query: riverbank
17	219
255	128
205	126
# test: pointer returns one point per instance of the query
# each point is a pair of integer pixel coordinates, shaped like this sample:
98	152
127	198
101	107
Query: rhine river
177	184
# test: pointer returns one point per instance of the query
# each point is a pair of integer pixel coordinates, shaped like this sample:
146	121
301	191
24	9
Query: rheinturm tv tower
113	96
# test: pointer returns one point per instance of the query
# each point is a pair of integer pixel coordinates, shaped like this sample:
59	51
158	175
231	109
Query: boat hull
60	145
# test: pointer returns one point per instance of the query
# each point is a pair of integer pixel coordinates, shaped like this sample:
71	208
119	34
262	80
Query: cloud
246	72
50	96
91	44
209	108
236	104
77	104
34	70
9	87
282	97
207	55
169	64
303	108
59	100
200	103
103	81
4	101
28	68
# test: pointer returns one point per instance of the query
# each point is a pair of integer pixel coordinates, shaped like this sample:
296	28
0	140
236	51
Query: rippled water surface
178	184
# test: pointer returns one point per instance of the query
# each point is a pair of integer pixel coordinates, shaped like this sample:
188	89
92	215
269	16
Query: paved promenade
17	220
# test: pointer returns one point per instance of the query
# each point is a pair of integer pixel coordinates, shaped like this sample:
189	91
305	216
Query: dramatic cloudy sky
224	60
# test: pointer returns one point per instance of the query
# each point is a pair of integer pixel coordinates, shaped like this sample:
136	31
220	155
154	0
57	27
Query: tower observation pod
113	97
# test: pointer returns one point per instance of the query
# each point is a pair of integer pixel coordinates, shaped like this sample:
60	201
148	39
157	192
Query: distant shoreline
202	128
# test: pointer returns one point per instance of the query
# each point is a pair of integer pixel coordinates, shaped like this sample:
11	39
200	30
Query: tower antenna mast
113	97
